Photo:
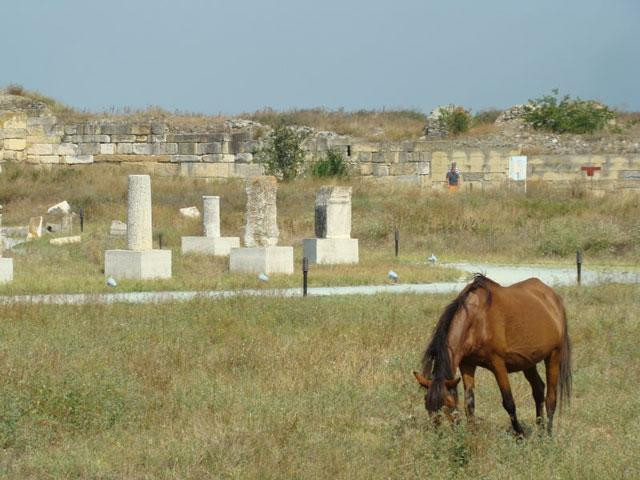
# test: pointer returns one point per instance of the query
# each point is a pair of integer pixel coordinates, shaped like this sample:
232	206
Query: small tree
332	165
283	154
455	120
567	115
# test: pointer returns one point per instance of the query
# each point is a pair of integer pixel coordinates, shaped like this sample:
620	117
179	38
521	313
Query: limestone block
41	121
77	159
197	137
6	270
132	158
114	129
142	148
207	148
124	138
423	168
13	133
107	148
15	143
65	240
261	227
139	229
124	148
35	228
245	170
88	138
43	159
89	148
137	265
158	128
186	148
17	121
330	251
67	149
190	212
165	148
218	246
366	169
62	208
267	260
219	158
71	129
118	228
333	212
380	170
166	169
185	158
244	157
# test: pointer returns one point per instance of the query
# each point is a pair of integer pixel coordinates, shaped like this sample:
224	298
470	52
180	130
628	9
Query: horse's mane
436	364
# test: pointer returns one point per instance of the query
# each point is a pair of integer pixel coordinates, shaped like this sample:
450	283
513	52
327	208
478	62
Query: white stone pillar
139	230
211	216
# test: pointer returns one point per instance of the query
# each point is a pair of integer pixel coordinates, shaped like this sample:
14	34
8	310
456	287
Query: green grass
294	388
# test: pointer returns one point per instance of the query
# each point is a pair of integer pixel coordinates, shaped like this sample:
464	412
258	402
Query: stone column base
261	260
330	251
137	264
6	270
220	246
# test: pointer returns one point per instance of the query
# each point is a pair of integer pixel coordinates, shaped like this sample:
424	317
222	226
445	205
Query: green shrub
332	165
567	115
456	120
283	154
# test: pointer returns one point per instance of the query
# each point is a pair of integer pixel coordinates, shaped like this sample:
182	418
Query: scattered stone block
271	259
190	212
35	228
118	228
77	159
65	240
62	208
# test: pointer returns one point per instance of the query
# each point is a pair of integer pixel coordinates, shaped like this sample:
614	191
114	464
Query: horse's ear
422	380
452	383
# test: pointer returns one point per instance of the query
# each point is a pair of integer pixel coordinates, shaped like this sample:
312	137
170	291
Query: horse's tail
565	379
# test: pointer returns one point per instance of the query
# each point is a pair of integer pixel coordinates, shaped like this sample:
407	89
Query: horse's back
528	321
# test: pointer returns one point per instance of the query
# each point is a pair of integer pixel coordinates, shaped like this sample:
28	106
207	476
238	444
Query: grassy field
294	388
544	226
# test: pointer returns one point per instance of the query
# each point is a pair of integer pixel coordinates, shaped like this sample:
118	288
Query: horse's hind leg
552	365
502	377
468	380
537	389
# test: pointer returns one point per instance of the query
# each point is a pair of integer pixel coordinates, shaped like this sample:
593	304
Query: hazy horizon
223	57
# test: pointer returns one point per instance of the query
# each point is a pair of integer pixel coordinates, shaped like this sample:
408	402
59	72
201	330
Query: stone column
211	216
261	228
139	230
333	212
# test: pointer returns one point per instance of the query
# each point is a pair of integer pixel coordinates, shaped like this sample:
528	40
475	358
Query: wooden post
579	266
305	272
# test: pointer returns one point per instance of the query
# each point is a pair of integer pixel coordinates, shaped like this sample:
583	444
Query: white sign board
518	168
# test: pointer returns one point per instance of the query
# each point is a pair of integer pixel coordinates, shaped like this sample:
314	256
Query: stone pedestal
137	264
6	270
267	260
330	251
219	246
140	261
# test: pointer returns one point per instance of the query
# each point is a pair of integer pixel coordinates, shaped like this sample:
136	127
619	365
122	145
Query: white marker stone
211	216
139	229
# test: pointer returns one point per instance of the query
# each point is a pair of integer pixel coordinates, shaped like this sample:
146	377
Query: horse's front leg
468	380
499	369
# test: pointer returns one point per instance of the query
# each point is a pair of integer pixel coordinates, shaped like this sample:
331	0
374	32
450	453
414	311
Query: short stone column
140	261
6	264
261	255
212	243
333	243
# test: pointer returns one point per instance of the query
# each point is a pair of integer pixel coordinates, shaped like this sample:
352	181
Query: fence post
396	236
305	272
579	266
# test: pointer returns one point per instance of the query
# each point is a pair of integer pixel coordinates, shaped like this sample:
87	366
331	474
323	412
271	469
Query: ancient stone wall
34	138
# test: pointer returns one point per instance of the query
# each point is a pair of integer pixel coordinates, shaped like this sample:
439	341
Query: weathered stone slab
190	212
61	208
89	148
219	158
137	265
196	137
142	148
330	251
186	148
141	129
185	158
132	158
77	159
67	149
65	240
107	149
87	138
15	143
165	148
261	227
207	148
124	148
40	149
114	129
261	260
13	133
124	138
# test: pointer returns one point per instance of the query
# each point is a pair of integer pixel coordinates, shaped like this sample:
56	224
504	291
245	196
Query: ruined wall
44	140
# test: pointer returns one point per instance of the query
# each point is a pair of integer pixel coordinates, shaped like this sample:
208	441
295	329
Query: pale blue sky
235	56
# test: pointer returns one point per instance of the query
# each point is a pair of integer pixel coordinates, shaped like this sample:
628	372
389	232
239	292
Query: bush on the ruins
567	115
455	120
283	154
332	165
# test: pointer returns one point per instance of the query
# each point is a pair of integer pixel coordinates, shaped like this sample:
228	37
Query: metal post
81	220
397	240
305	273
579	265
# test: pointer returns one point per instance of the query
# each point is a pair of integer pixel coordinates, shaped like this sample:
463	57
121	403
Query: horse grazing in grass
503	329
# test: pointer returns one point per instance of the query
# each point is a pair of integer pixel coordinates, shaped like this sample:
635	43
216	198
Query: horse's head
441	395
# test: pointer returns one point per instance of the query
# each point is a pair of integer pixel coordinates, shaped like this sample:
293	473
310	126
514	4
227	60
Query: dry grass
545	226
293	388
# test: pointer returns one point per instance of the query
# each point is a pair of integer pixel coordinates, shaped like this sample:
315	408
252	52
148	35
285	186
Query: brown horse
503	329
